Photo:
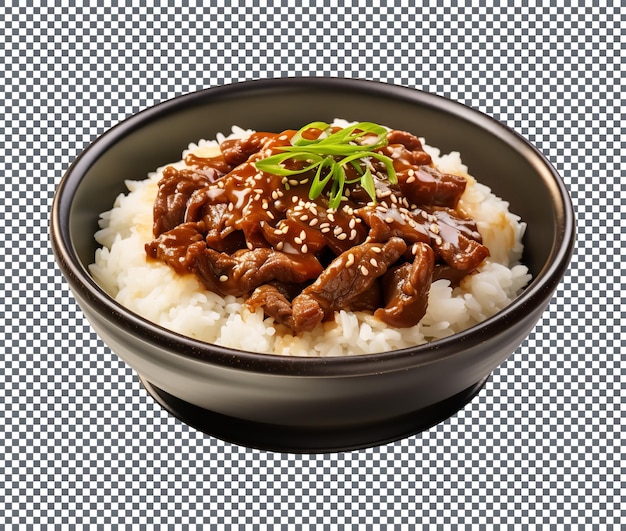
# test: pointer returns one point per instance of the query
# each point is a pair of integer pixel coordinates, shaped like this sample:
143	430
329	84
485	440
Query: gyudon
309	230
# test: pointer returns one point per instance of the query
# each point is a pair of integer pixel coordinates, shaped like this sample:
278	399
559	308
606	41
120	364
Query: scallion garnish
330	153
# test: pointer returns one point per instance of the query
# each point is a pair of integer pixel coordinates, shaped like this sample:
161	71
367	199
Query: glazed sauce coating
258	235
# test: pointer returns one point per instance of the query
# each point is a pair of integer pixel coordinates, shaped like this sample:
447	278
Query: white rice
183	305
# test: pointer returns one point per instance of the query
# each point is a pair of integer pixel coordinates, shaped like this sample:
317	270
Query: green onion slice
355	145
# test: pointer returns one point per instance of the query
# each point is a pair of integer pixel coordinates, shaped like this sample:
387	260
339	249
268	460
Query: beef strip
176	246
418	179
406	289
237	151
426	185
386	222
245	270
412	144
457	240
273	302
175	189
345	279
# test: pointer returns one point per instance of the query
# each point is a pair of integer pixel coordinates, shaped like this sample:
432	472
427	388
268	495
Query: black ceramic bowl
312	404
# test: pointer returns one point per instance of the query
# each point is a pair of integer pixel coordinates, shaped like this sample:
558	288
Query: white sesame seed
274	195
293	182
303	234
313	222
377	250
342	236
350	260
352	234
374	262
279	246
325	230
411	179
331	216
223	278
388	219
434	228
304	217
298	240
270	215
352	223
304	249
364	271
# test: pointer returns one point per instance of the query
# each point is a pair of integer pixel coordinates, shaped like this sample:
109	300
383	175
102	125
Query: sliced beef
177	246
457	240
465	254
413	152
273	302
426	185
445	272
175	189
237	151
240	273
347	277
386	222
406	289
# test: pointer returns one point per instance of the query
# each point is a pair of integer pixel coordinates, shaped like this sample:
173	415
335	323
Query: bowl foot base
295	439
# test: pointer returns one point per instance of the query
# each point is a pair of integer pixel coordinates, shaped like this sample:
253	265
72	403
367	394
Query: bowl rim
535	295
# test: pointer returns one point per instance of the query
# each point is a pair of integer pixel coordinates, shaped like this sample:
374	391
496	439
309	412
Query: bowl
298	404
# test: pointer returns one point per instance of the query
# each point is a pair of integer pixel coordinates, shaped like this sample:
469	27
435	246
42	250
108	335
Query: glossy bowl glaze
312	404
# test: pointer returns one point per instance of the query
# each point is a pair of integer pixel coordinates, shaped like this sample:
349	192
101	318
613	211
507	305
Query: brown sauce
248	233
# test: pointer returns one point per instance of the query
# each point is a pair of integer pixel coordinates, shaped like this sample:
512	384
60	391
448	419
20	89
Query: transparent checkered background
82	443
